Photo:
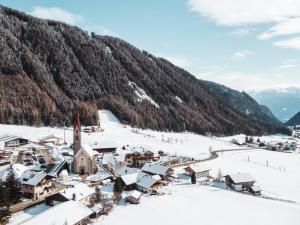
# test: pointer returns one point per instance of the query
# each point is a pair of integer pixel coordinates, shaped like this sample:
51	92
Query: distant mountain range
242	102
49	70
284	103
295	120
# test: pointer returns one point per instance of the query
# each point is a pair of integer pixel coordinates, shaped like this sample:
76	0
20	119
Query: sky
243	44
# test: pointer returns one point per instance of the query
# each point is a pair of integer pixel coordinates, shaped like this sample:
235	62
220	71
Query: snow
178	99
155	168
195	204
69	212
80	190
141	94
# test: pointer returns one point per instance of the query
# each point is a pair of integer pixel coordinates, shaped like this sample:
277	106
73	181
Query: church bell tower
77	135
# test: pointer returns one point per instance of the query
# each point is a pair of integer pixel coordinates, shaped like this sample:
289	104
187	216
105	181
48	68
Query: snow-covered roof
241	178
97	208
88	149
70	212
146	182
123	170
132	178
80	190
198	168
155	168
104	145
135	194
255	188
32	178
8	137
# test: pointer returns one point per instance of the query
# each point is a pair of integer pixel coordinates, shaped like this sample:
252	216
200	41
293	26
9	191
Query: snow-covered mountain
284	102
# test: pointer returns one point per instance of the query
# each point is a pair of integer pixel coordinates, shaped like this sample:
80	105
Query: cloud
289	26
241	32
101	30
241	55
293	43
237	12
55	13
284	66
177	60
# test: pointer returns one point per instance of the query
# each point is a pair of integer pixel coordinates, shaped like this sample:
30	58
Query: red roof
77	122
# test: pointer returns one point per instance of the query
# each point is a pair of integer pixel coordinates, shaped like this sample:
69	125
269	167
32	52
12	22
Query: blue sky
244	44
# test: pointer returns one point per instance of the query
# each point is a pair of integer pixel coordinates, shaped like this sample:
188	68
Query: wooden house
139	159
36	184
200	170
149	184
165	172
240	181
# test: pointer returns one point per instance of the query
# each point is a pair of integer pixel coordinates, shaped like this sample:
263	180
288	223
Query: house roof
97	208
125	170
104	145
88	149
198	168
8	137
80	190
132	178
146	182
241	178
135	194
155	168
32	178
70	212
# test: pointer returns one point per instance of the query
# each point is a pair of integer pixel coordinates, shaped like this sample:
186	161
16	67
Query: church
84	156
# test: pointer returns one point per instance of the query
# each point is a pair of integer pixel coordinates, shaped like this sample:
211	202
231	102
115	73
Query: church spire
77	134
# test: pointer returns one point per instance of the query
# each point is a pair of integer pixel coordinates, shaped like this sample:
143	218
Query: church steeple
77	134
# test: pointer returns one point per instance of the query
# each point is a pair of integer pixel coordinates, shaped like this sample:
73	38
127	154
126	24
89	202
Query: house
165	172
113	163
105	147
36	184
84	161
51	139
11	141
78	192
70	212
149	184
139	158
240	181
133	197
200	170
129	180
274	146
18	170
97	210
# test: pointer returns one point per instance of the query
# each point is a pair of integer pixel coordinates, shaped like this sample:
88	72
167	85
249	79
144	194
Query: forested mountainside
242	102
49	70
295	120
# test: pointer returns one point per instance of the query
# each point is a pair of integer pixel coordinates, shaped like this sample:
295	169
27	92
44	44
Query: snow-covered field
278	175
193	205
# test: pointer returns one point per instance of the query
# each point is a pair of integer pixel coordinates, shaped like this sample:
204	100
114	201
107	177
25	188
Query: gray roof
8	137
32	178
241	178
155	168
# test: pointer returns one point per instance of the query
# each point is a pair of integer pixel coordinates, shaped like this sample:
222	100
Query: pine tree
246	139
193	178
118	186
13	186
4	204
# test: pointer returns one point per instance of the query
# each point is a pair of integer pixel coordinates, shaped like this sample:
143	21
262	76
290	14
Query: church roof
88	149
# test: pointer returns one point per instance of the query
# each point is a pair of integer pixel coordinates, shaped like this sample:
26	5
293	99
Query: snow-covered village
174	112
79	175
